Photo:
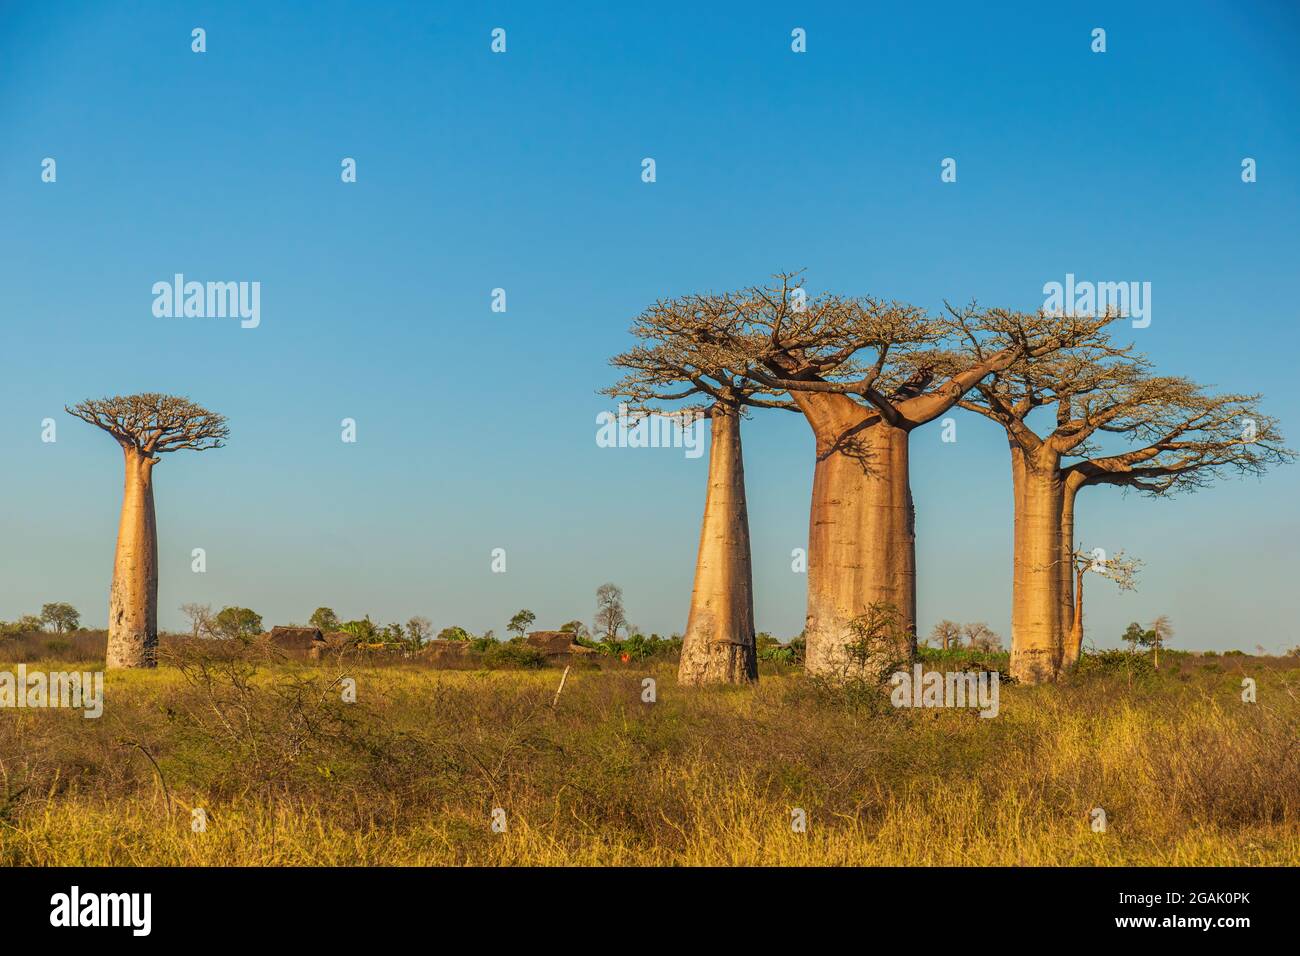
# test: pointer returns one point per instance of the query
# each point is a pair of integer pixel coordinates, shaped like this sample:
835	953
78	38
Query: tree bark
1074	642
1071	603
133	600
1036	634
718	647
861	539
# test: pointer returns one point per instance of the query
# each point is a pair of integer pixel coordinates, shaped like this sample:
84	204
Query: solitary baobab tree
146	426
680	360
866	373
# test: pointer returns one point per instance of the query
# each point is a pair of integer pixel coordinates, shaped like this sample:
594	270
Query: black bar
333	905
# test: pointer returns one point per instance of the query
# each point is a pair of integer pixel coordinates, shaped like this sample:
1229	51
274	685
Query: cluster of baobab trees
1079	410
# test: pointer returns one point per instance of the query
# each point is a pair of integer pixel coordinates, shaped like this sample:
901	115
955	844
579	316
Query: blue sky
522	171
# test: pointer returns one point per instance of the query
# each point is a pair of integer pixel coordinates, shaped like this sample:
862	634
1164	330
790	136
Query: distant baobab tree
865	374
1098	391
1162	629
947	634
680	360
146	426
981	637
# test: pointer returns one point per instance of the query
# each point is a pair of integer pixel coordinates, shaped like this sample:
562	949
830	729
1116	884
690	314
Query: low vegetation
286	772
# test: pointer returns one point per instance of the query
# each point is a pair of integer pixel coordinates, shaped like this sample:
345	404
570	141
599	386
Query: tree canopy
154	424
61	616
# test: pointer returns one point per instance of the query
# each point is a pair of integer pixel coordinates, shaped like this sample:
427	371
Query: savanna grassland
287	773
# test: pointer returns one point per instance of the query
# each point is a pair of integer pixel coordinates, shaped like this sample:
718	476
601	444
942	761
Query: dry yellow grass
289	774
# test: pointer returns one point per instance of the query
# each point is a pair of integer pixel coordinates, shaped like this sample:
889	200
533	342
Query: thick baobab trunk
1036	634
718	647
1071	581
861	543
133	601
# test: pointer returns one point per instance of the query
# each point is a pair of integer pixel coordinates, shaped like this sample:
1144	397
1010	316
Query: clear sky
476	430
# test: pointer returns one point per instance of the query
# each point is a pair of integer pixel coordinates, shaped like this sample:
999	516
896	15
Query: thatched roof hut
556	643
445	650
296	638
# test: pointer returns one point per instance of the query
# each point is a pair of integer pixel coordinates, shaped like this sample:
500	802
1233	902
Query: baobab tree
1093	372
865	373
146	426
681	359
1099	391
1162	629
947	634
1187	438
981	637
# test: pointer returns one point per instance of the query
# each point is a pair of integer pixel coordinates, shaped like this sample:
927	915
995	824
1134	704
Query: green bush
1116	662
861	696
776	653
364	631
512	654
798	647
966	659
638	647
237	622
771	649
